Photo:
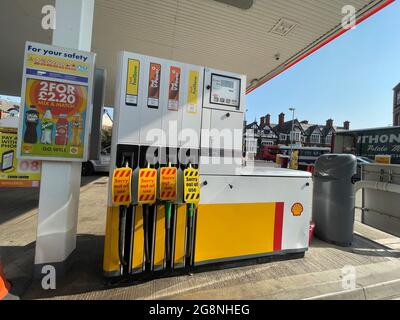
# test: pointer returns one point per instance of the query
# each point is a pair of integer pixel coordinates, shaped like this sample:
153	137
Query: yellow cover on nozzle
121	187
147	186
191	179
168	183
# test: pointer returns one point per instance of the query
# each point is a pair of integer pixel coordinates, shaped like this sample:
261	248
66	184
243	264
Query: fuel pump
168	195
119	218
179	224
147	197
191	198
165	106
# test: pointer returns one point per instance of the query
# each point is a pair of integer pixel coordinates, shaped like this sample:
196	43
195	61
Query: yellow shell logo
297	209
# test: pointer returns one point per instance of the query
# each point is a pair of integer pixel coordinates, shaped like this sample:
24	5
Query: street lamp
292	134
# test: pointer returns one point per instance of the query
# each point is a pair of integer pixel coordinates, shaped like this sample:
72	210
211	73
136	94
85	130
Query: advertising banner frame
79	76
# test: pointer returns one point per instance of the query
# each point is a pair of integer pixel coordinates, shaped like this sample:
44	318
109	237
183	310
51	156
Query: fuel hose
191	209
168	213
146	226
122	227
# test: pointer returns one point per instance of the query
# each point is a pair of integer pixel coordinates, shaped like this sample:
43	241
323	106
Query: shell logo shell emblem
297	209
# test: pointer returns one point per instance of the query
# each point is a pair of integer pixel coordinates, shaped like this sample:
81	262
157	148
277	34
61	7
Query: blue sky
349	79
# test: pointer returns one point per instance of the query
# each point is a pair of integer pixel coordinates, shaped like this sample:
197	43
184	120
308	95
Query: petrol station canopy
259	38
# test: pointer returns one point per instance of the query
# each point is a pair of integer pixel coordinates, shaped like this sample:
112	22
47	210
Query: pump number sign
192	185
121	187
147	186
168	184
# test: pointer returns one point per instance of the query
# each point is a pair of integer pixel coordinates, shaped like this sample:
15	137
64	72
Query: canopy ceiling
259	38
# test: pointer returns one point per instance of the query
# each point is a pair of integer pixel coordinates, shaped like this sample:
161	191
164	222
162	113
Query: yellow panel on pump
180	233
111	263
159	244
138	241
233	231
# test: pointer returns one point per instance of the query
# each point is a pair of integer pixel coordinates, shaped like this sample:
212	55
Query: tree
106	137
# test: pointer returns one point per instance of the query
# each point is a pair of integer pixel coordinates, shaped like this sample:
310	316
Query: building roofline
367	129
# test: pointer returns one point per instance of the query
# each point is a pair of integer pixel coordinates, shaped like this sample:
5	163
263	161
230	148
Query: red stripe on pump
278	226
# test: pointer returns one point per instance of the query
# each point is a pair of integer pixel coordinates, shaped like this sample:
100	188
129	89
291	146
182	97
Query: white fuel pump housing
205	111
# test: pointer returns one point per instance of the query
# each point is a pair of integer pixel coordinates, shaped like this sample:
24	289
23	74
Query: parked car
361	161
100	165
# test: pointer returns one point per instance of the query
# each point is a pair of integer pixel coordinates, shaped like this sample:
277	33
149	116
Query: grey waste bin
334	198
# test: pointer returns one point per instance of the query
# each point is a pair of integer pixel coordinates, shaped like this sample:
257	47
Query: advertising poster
14	172
193	94
174	88
132	84
153	98
56	94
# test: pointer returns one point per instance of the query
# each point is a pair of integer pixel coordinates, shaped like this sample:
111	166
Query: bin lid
335	166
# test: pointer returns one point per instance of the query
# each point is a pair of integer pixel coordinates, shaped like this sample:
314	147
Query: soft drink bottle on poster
31	122
47	126
76	130
62	130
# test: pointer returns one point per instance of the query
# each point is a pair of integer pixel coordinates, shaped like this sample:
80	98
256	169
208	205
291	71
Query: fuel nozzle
168	195
191	198
147	189
122	197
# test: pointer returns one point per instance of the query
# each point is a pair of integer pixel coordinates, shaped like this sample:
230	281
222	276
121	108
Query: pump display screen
225	91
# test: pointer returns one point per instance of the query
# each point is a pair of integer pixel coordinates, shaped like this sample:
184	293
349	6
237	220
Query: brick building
396	105
303	134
